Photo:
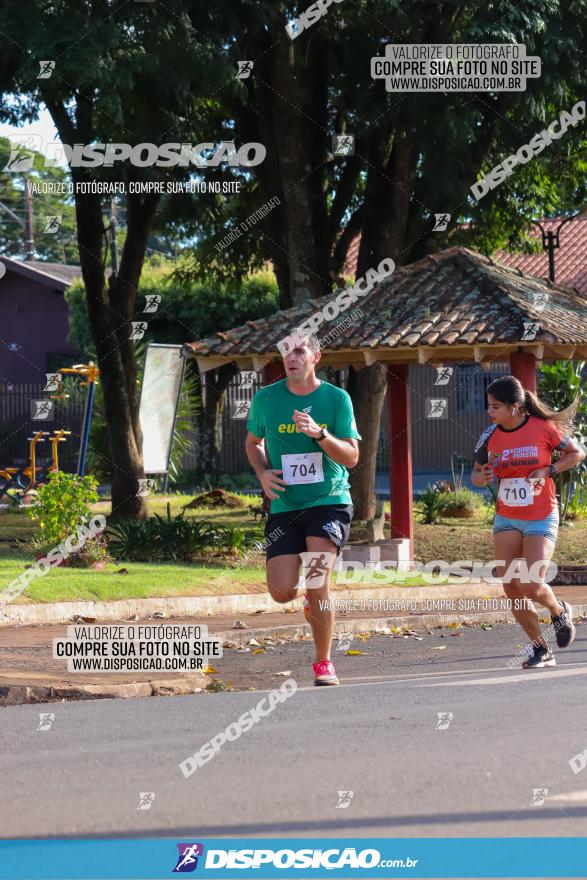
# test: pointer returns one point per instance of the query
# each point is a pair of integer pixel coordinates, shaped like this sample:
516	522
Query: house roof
55	275
449	306
570	259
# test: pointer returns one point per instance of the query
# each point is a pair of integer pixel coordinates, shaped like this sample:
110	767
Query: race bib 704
304	467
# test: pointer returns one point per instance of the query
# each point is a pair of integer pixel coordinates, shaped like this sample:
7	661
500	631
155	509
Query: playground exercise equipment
27	477
91	373
30	475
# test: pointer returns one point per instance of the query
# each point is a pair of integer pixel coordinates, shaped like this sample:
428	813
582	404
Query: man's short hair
312	342
295	339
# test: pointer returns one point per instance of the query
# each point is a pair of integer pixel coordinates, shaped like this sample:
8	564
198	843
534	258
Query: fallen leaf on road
289	610
209	670
452	625
456	635
239	624
353	653
253	642
216	686
259	651
286	672
486	626
439	648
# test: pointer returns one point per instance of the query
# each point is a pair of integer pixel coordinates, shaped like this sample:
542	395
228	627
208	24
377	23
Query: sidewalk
29	674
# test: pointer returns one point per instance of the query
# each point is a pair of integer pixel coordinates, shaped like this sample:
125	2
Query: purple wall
35	318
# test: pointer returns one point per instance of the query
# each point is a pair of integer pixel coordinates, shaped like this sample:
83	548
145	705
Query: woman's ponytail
563	418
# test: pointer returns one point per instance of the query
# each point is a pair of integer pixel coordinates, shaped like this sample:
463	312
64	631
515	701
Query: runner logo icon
187	859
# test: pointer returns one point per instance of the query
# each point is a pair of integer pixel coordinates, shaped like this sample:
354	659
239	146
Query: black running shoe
540	658
564	627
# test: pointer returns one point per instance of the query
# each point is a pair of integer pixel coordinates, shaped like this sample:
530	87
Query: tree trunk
367	389
385	215
110	310
277	98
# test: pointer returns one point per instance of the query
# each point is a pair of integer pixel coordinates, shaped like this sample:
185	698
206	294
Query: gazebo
452	307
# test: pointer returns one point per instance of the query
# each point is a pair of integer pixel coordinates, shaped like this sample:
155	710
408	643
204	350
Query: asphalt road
512	732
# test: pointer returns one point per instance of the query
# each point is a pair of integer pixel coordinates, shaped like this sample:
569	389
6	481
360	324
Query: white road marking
570	797
446	673
527	676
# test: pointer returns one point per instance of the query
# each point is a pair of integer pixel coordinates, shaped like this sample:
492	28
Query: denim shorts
547	527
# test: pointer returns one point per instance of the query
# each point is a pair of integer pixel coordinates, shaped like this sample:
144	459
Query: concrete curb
208	606
15	694
415	622
11	695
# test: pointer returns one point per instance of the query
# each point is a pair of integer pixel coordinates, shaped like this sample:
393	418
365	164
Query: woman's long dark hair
508	389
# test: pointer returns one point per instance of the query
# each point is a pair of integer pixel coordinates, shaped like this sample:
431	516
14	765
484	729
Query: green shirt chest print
315	478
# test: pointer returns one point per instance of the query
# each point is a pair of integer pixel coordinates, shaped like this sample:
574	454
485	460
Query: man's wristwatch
552	471
321	436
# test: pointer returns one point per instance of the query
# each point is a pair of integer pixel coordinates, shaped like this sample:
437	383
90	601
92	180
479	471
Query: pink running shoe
324	673
307	608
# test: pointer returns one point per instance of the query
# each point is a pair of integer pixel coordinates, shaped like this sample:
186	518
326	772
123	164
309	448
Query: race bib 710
516	492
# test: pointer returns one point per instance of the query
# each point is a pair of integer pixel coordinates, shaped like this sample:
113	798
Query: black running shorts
286	533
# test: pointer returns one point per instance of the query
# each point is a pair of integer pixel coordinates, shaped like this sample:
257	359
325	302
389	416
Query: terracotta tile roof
456	297
570	259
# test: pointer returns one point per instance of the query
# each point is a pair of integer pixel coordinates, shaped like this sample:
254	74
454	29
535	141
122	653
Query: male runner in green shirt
311	437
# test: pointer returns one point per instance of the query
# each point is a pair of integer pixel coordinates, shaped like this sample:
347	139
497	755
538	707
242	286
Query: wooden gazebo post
400	453
273	372
523	367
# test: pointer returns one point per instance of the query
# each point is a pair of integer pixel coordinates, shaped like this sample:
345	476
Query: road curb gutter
16	694
240	603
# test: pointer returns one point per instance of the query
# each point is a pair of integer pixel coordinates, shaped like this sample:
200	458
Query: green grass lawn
450	539
140	581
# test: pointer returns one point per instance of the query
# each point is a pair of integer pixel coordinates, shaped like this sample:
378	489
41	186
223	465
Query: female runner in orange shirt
517	449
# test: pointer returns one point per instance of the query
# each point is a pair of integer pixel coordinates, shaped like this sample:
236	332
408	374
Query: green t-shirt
271	417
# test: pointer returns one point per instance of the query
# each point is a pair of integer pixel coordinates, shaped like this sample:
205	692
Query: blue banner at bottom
368	857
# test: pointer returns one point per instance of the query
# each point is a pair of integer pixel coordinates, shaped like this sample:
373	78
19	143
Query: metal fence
434	440
17	425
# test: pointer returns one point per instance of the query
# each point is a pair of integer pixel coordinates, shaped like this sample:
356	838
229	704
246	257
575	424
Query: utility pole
29	241
27	223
